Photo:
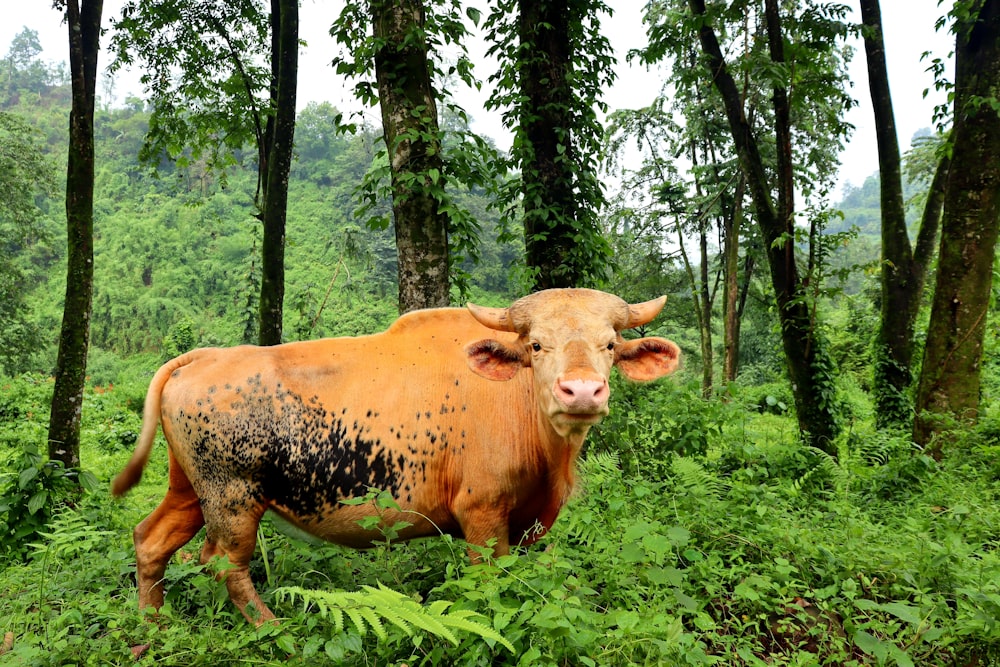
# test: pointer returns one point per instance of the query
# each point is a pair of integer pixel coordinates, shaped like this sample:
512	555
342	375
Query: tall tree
212	95
734	291
903	267
554	66
424	161
83	18
687	119
948	391
277	155
22	70
809	365
410	127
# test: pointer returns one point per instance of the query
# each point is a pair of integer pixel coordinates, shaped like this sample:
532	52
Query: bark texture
948	393
278	148
732	306
410	127
549	201
84	20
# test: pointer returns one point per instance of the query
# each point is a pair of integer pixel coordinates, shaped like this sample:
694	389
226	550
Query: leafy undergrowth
749	551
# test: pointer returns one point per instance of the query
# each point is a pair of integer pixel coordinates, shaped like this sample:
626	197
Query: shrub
649	423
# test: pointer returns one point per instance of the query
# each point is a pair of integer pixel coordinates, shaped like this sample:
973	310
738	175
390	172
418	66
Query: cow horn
497	319
643	313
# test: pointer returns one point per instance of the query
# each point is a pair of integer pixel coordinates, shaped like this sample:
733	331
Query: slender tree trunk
732	310
280	138
410	127
707	351
701	290
948	393
808	365
84	20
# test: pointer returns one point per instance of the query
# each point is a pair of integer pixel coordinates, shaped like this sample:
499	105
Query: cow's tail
132	472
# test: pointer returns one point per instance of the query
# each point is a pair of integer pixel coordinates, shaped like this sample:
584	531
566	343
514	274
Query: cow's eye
537	347
611	345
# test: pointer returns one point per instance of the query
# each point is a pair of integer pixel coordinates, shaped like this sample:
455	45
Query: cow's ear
647	358
493	360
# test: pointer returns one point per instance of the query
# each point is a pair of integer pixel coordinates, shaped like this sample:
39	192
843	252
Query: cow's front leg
482	524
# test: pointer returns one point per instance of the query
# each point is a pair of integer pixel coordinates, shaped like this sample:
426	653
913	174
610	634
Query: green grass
751	552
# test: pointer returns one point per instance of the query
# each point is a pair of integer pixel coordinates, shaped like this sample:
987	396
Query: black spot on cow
292	453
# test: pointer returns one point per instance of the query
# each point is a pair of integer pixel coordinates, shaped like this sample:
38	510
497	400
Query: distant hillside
177	251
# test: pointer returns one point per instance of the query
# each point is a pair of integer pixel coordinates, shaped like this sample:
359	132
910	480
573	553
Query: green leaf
633	552
286	643
37	501
665	576
871	645
26	476
904	612
678	535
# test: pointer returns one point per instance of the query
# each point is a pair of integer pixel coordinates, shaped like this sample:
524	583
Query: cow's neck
561	452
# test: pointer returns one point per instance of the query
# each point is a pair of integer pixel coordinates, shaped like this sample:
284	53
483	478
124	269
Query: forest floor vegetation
703	533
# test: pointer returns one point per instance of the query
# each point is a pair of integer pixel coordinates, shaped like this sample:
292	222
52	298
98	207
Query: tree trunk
809	366
707	351
412	137
549	201
901	276
280	137
948	393
731	314
84	20
700	289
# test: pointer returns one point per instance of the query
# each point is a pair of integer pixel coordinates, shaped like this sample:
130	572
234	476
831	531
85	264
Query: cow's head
571	338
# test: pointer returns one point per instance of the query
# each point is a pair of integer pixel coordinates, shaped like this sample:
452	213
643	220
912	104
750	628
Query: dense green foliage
179	249
706	537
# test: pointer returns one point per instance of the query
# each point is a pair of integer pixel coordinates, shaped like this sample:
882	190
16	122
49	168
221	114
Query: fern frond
696	480
338	618
368	608
460	620
599	465
358	619
368	613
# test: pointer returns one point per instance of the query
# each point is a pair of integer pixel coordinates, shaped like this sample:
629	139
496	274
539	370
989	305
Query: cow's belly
346	525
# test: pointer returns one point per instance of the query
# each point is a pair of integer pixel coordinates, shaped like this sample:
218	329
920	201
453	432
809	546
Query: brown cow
472	419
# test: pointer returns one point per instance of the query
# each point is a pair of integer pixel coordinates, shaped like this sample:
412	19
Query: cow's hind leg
171	525
232	532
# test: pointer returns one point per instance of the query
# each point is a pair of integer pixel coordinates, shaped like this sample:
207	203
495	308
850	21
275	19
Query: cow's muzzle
582	397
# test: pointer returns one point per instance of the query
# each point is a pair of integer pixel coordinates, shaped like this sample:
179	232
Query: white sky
909	32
